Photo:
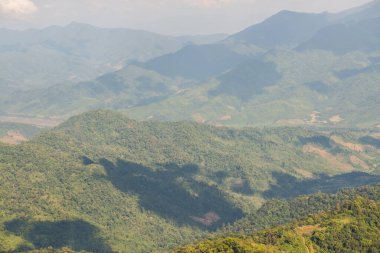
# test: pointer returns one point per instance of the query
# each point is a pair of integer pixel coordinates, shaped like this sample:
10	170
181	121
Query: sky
172	17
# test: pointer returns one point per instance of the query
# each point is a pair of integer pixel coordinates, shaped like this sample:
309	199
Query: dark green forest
353	226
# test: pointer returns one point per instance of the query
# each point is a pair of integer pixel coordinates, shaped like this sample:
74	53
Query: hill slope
285	29
352	227
123	185
343	38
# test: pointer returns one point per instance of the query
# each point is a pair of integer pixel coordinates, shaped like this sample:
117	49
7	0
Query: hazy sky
162	16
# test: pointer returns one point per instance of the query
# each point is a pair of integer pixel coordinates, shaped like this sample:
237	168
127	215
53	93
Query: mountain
102	182
284	29
196	62
247	79
128	87
78	52
312	87
288	29
367	11
325	74
341	38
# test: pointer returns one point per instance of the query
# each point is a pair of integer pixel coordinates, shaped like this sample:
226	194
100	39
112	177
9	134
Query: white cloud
17	8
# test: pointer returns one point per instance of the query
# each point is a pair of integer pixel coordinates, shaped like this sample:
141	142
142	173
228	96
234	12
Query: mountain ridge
236	83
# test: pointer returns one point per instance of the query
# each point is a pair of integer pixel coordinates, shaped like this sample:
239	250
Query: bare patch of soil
336	119
208	219
368	157
291	122
335	161
305	173
314	118
13	138
226	117
306	230
357	161
352	146
199	118
236	182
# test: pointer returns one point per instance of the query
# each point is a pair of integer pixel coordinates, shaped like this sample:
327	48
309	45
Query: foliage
280	211
353	226
224	245
26	130
125	186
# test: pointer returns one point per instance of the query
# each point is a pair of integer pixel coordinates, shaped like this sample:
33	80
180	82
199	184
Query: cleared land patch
335	161
352	146
357	161
336	119
13	138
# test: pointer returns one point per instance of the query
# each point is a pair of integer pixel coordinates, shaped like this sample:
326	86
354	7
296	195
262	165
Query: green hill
128	87
352	227
281	211
281	88
124	185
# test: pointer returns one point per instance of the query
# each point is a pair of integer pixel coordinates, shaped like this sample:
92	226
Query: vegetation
353	226
102	181
26	130
280	211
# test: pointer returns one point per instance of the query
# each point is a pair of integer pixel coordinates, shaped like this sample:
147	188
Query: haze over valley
265	139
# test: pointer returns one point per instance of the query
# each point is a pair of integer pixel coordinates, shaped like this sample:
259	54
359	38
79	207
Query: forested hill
278	210
281	211
353	226
101	182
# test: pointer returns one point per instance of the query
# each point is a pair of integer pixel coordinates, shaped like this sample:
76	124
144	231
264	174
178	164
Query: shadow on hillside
171	192
75	234
288	186
369	140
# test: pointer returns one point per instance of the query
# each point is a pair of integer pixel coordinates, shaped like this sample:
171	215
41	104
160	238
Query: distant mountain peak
80	25
286	28
366	11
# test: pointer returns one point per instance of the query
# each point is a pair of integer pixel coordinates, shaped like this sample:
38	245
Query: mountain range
291	69
267	140
78	52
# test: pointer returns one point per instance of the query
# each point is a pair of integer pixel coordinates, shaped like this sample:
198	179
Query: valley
266	139
235	81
